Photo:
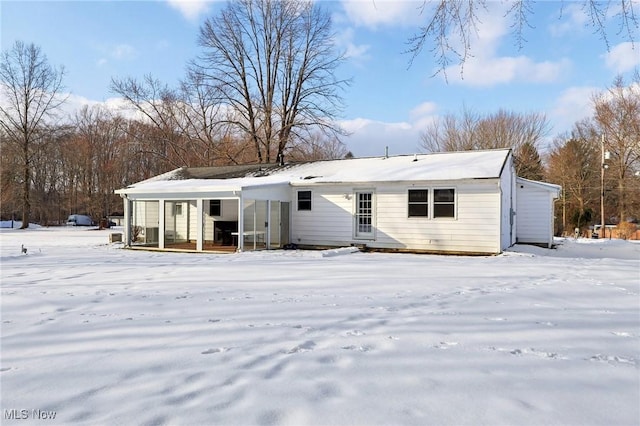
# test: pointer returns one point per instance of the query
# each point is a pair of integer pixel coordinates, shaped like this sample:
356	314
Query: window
177	209
418	203
444	203
215	208
304	200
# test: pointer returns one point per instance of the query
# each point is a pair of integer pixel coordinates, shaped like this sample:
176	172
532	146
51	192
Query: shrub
626	230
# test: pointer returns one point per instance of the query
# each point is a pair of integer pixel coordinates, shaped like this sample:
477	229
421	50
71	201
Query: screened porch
220	224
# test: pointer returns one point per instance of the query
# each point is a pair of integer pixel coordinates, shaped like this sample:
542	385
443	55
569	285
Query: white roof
423	167
551	187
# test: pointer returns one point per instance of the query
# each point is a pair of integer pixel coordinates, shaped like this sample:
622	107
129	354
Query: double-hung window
418	203
444	203
304	200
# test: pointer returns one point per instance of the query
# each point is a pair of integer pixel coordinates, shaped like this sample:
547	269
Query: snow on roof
551	187
421	167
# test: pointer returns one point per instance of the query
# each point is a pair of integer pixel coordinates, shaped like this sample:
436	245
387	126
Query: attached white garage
534	207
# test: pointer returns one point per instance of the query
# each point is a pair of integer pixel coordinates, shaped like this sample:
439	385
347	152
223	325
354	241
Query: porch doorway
363	218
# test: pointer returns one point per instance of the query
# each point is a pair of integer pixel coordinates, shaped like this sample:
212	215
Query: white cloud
116	105
344	41
574	104
123	51
374	13
485	68
425	108
370	137
491	71
623	57
116	52
571	19
190	9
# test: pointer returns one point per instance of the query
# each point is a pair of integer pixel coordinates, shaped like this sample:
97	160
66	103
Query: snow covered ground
95	334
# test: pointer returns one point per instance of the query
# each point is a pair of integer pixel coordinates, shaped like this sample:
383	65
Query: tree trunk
26	204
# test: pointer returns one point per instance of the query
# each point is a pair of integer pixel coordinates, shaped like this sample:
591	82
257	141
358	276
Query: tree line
264	87
597	163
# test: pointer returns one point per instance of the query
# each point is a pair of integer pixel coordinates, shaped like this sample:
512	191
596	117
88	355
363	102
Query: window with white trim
304	200
418	205
444	203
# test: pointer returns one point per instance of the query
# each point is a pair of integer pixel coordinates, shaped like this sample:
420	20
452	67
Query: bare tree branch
32	93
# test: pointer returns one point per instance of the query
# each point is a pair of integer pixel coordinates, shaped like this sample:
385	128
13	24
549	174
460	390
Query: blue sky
389	103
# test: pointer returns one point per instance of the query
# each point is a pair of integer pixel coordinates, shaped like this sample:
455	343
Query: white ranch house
462	202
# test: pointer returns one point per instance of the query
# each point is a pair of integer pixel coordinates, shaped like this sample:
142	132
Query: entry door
284	223
364	215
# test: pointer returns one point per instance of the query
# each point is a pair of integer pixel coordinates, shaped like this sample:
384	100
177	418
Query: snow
102	335
426	167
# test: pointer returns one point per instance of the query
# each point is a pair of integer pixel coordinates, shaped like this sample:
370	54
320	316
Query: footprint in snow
621	333
613	359
357	348
530	351
304	347
215	351
446	345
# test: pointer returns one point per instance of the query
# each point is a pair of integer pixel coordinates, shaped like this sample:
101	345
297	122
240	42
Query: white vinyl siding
476	227
193	220
331	220
535	214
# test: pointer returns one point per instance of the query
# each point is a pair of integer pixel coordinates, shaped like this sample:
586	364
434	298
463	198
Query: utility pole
603	167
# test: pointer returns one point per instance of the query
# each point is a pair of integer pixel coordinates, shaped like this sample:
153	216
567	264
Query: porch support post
128	221
240	223
267	242
199	224
161	221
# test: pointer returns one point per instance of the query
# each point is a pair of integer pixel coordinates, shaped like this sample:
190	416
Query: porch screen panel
145	223
255	217
274	225
169	222
176	214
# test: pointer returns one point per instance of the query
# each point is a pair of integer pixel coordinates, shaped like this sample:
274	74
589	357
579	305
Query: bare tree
317	147
617	118
503	129
573	163
272	63
156	103
31	93
10	186
450	25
